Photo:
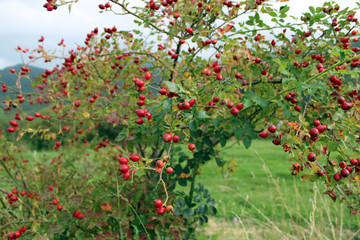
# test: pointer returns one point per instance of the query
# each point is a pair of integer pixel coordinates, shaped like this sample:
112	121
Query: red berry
320	173
176	138
276	141
167	137
192	102
353	162
147	76
29	118
81	216
59	207
342	164
161	210
51	187
139	121
75	214
13	123
337	177
134	157
312	157
234	111
344	173
169	170
316	123
163	91
230	105
272	128
126	175
191	147
157	203
264	134
123	160
321	128
239	106
159	163
23	229
124	168
314	132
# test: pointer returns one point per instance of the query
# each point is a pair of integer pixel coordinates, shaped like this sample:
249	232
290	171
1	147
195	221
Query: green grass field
262	200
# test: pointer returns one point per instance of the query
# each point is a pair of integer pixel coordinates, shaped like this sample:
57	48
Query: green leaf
216	122
193	125
273	14
201	115
312	9
220	162
173	87
333	146
284	9
247	141
212	210
223	141
301	86
167	104
261	101
187	213
122	135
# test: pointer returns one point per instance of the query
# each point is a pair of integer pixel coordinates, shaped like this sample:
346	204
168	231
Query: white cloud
22	22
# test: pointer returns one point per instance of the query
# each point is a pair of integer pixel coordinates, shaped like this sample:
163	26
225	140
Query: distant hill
10	79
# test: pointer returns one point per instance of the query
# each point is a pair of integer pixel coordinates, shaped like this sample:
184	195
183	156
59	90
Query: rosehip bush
169	110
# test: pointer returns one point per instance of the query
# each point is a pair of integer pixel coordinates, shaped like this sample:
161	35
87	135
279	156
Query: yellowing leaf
292	123
106	207
86	115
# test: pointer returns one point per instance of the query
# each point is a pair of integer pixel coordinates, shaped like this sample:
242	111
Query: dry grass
319	222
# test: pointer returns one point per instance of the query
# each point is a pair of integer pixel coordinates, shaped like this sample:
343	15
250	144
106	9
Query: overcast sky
23	22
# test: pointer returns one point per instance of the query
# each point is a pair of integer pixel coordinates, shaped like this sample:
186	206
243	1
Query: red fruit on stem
272	128
169	170
161	210
191	147
264	134
314	132
311	157
337	177
157	203
167	137
124	168
176	138
134	157
234	111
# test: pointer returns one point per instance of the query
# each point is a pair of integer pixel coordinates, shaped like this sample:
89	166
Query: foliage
250	83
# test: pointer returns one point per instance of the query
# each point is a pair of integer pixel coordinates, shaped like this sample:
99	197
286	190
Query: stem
131	13
192	187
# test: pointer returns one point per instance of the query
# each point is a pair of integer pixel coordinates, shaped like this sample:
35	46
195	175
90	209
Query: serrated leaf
173	87
193	125
201	115
284	9
167	104
312	9
219	161
247	141
122	135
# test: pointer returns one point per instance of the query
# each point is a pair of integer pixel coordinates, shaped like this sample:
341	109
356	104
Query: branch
131	13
